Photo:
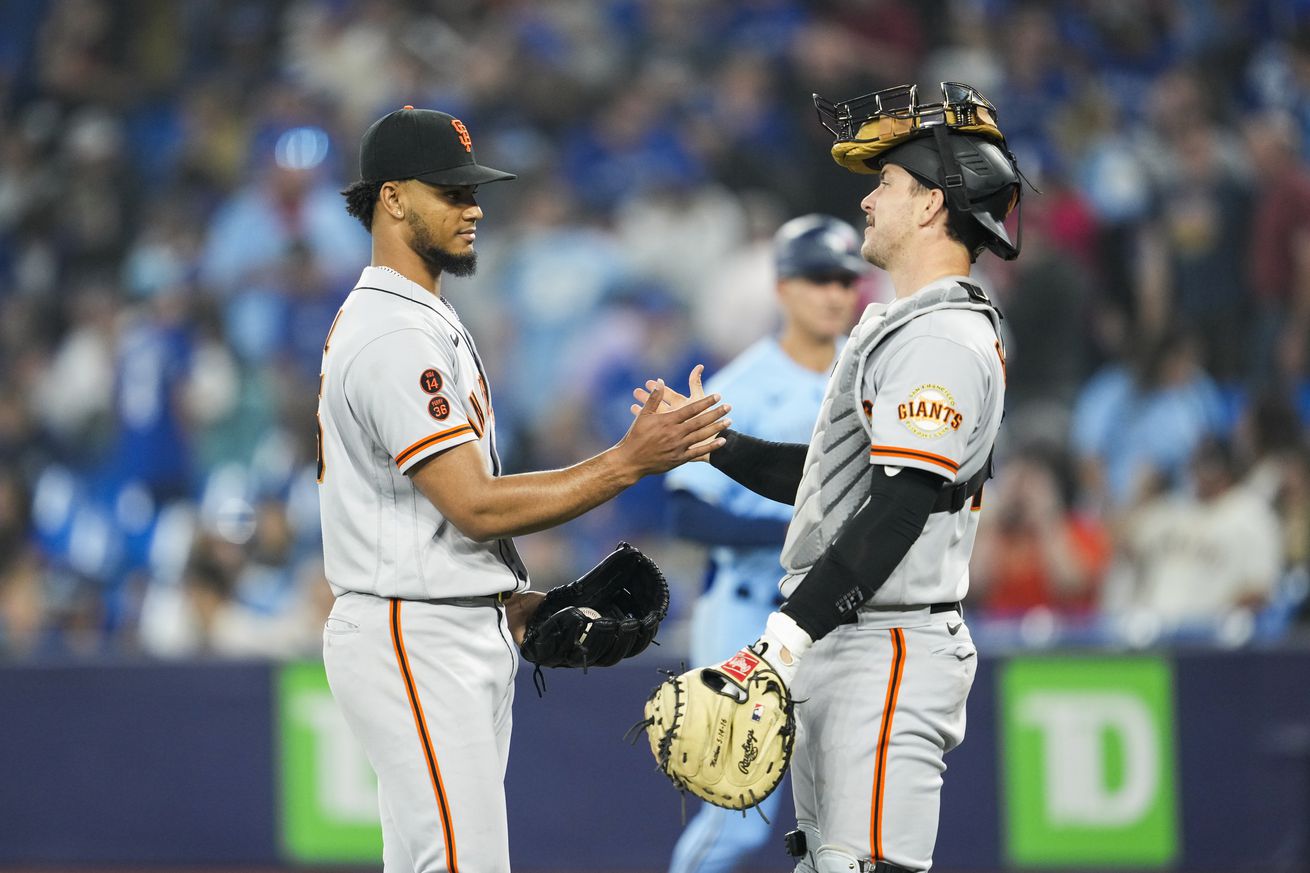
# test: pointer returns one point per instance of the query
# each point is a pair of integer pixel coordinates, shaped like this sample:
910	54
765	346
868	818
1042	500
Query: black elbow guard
866	551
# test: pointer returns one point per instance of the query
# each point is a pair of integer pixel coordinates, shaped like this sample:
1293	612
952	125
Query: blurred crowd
173	247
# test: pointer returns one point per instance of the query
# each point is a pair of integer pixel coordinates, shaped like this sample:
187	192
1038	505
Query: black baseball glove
611	613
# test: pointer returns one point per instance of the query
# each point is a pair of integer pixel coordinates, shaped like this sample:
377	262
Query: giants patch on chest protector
930	412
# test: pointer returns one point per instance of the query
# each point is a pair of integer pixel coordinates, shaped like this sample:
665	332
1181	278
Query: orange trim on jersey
477	411
916	454
439	437
322	463
884	741
425	739
327	341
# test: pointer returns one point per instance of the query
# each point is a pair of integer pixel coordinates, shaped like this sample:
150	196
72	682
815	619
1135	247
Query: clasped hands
659	397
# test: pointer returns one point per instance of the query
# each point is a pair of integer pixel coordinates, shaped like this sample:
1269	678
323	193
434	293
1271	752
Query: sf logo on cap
464	139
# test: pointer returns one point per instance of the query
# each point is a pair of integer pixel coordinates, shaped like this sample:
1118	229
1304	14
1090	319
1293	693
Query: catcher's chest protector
835	482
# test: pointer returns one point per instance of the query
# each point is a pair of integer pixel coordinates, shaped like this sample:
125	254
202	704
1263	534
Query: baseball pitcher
432	612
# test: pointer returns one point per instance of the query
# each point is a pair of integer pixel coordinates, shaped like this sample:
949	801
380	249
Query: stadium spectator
1269	446
172	245
1134	428
1047	299
1280	253
1033	550
22	605
1193	561
1201	221
291	200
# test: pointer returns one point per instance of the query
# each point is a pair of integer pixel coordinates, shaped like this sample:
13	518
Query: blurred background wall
173	249
1193	760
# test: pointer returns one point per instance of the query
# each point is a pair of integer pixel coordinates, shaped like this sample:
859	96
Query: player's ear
393	200
934	202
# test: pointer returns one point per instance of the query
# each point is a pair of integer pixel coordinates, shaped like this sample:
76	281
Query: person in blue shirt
1136	424
777	386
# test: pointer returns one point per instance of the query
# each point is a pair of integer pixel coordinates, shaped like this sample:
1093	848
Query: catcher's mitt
611	613
723	733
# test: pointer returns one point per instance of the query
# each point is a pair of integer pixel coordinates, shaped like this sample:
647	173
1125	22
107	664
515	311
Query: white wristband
782	644
789	633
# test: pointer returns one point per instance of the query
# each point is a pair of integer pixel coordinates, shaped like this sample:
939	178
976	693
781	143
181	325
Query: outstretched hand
667	434
670	400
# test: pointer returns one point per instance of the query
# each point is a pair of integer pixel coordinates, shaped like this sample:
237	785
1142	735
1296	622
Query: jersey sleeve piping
437	438
915	455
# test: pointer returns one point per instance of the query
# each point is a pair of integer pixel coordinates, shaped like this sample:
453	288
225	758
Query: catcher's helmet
953	145
815	246
989	179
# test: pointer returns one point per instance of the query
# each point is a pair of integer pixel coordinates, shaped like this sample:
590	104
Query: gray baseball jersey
402	381
920	384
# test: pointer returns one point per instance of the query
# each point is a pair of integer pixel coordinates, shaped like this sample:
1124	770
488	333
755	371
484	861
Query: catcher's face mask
867	127
953	144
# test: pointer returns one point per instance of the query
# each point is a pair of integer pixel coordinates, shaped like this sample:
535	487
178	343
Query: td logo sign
329	799
1076	783
1088	762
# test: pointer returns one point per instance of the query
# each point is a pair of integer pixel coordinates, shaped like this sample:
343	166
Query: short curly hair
360	198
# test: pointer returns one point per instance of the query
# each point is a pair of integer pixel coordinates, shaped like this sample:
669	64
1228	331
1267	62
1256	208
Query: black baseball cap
422	144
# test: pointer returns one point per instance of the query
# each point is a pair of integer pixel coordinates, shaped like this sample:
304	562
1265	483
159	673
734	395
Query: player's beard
871	252
437	258
879	249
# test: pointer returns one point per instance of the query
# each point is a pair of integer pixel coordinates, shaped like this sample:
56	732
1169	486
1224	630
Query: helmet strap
953	180
1018	239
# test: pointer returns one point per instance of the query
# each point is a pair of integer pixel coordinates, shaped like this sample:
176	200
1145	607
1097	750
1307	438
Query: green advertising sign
328	798
1087	754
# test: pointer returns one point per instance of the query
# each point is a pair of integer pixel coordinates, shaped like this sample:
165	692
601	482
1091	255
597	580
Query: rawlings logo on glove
611	613
724	733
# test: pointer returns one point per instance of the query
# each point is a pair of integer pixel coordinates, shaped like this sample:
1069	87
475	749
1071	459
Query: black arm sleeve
771	470
693	519
866	551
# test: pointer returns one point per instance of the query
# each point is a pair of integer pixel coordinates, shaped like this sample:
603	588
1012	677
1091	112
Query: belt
474	600
953	606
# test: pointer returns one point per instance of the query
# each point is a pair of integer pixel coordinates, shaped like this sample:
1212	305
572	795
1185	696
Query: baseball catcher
609	614
871	637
